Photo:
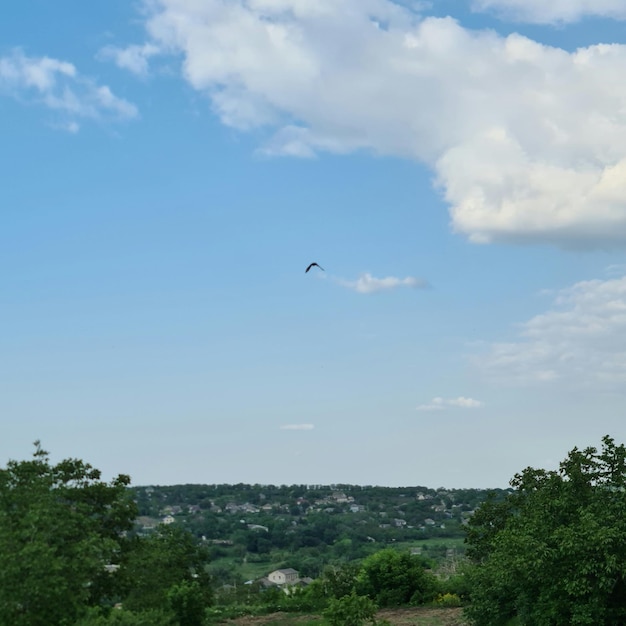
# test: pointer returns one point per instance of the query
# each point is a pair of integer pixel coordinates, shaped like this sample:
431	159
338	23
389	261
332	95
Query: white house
287	576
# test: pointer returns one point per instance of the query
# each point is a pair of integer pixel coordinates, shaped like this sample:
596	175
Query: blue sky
170	168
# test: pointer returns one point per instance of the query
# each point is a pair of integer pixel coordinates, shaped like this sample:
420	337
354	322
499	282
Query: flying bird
314	265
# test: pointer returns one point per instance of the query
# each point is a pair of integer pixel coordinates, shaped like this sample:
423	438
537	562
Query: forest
78	551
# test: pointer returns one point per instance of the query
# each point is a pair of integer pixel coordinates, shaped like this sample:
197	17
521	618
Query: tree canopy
167	567
60	525
393	578
554	552
68	553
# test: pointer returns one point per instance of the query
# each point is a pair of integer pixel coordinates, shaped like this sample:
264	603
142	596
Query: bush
122	617
352	610
392	578
448	600
186	600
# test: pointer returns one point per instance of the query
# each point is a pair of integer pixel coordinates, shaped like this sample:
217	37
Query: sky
169	168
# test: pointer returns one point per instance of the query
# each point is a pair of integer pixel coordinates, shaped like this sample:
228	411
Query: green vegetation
351	610
67	553
59	526
551	551
392	578
554	552
166	568
253	529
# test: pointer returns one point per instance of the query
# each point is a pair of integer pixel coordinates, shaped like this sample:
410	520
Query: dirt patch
423	616
284	619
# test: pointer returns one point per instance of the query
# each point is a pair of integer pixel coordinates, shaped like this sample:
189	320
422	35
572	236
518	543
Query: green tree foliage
393	578
59	526
351	610
554	552
335	582
122	617
188	602
167	564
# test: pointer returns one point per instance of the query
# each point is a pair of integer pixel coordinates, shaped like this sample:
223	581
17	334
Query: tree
392	578
165	560
60	525
188	602
122	617
335	582
554	552
351	610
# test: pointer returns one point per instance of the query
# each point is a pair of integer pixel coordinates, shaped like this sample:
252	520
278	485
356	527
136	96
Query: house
288	576
340	496
168	519
258	527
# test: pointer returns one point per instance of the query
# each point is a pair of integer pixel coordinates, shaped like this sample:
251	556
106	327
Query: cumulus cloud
556	11
133	58
297	427
57	85
366	283
526	140
438	404
580	340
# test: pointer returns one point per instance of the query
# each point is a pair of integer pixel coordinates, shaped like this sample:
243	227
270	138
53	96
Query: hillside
252	529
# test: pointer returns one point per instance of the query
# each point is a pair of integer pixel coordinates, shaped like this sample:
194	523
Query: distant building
258	527
287	576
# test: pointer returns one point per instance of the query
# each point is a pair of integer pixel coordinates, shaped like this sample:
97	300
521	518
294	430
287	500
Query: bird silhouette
314	265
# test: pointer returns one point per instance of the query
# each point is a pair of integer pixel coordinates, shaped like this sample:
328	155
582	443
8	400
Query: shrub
448	600
352	610
392	578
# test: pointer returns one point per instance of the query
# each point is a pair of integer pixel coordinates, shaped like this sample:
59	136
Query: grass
449	542
250	570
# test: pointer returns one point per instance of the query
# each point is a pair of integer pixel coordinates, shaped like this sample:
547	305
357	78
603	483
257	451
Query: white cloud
132	58
71	127
58	86
297	427
366	283
526	140
465	403
555	11
615	270
438	404
580	340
